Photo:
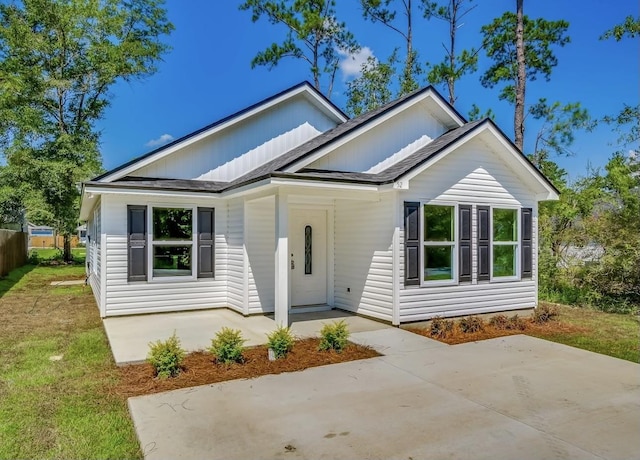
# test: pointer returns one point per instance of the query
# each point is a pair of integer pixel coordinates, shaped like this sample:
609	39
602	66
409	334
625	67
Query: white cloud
351	63
633	154
165	138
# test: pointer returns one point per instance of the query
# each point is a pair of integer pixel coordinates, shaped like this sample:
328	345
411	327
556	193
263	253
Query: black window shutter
464	237
206	242
527	243
484	240
411	243
137	243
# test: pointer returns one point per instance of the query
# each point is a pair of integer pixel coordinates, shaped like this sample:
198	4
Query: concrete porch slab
129	336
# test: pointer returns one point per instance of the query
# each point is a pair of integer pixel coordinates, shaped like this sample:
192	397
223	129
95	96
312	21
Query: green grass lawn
57	408
611	334
48	254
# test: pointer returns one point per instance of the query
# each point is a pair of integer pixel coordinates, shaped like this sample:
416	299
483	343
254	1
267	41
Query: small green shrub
334	336
471	324
440	327
281	341
500	322
544	313
227	346
166	356
516	323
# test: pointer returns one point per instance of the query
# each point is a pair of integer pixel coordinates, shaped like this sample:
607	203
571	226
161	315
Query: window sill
429	284
505	279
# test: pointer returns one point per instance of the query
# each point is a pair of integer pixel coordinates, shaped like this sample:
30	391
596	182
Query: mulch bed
200	367
534	329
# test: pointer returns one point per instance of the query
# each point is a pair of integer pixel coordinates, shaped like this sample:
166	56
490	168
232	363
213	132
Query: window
505	242
172	230
307	249
439	246
178	248
446	244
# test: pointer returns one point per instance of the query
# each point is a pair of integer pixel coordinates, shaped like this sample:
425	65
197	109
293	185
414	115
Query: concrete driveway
516	397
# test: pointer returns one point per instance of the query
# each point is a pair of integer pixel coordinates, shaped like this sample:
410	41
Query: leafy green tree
453	66
314	35
629	116
373	87
380	11
476	113
557	129
540	36
614	226
630	28
58	61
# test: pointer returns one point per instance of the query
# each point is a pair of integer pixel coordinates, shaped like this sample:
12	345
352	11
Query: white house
401	214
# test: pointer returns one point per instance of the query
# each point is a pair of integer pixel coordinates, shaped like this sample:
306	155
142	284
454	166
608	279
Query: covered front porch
129	336
314	248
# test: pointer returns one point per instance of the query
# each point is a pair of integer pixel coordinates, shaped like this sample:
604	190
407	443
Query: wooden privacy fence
13	250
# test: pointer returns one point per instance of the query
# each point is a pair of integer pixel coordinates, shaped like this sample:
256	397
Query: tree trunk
408	67
518	119
66	255
453	27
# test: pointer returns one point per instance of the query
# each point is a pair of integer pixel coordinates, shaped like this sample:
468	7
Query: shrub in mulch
200	368
544	313
472	328
440	327
471	324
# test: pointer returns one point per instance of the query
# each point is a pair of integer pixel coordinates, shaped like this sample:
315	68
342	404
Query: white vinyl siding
364	256
227	155
124	297
94	228
261	237
385	145
471	175
235	252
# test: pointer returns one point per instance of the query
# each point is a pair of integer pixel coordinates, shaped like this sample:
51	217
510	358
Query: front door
308	256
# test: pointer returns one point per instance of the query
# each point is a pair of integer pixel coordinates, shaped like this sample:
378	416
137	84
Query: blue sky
207	75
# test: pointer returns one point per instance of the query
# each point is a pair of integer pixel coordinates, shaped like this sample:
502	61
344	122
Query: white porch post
282	260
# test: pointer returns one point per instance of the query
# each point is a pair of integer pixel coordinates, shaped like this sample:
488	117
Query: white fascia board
323	184
548	194
327	108
361	130
97	190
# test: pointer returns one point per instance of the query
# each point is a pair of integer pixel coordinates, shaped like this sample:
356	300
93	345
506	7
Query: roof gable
437	107
500	144
304	89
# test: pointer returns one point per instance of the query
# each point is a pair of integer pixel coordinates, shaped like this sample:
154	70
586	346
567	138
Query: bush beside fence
13	250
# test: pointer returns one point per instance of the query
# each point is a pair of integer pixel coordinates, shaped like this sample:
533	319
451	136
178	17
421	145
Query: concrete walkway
129	336
513	397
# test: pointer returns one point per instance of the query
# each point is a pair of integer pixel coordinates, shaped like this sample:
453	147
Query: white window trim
151	243
455	244
518	244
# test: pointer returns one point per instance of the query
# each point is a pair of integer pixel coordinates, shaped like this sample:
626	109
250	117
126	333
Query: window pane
172	224
505	225
504	260
171	260
438	263
438	223
307	249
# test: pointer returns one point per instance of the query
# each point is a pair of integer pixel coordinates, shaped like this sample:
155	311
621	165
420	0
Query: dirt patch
200	369
538	330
